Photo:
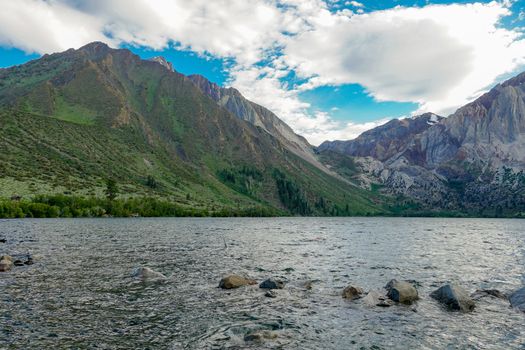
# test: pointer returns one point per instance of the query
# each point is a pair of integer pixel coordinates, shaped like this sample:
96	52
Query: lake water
80	293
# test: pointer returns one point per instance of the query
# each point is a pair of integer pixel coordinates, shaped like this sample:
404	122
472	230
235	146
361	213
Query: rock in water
481	293
18	263
6	257
517	299
235	281
5	265
270	294
29	260
454	297
272	283
352	292
401	292
374	298
259	336
147	274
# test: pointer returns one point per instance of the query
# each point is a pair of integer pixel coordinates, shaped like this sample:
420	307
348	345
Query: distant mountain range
472	161
72	120
69	121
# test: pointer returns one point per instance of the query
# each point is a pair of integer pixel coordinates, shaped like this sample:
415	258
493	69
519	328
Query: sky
331	69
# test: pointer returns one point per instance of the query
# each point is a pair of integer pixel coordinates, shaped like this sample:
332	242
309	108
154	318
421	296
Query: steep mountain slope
385	141
71	120
233	101
472	161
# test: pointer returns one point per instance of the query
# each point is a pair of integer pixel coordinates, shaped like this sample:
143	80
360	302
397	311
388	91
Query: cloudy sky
329	68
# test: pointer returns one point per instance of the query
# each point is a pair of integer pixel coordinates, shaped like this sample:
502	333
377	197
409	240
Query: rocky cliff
236	103
474	160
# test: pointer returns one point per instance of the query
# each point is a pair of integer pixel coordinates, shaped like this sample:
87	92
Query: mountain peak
95	47
207	87
163	62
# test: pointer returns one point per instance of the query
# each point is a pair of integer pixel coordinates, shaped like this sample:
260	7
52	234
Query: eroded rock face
472	160
352	292
517	299
163	62
238	105
454	298
147	274
402	292
385	141
235	281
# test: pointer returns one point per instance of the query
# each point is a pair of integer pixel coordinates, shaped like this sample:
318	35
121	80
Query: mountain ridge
135	120
473	160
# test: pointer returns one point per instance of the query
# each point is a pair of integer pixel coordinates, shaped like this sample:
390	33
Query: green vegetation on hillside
71	206
72	120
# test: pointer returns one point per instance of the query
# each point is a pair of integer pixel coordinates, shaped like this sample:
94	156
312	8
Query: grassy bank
65	206
61	206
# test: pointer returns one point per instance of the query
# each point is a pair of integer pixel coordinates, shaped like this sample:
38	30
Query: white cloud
324	128
439	56
40	26
354	4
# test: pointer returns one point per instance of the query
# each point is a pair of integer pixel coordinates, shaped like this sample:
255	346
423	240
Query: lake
80	293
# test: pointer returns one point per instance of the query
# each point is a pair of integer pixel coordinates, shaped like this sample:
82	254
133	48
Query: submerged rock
517	299
454	297
481	293
374	298
272	283
147	274
308	285
352	292
259	336
235	281
271	294
29	260
401	292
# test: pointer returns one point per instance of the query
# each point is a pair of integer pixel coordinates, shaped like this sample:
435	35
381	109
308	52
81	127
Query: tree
111	189
151	182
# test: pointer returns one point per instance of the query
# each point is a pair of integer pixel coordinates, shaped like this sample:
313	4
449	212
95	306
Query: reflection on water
79	293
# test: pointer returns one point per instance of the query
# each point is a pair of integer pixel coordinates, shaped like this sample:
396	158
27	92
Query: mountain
385	141
472	161
71	120
233	101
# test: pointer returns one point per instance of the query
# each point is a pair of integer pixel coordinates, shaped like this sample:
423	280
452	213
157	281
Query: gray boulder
374	298
454	298
401	292
517	299
147	274
352	292
272	283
